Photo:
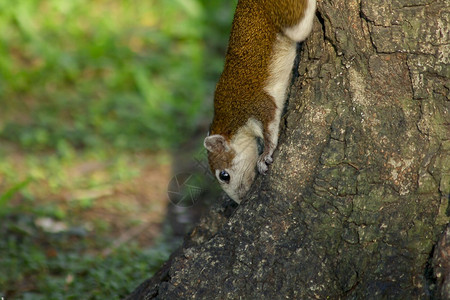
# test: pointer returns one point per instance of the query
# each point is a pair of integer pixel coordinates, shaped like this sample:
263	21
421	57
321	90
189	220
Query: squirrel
251	92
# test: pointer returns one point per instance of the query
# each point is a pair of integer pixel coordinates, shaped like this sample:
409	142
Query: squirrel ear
216	143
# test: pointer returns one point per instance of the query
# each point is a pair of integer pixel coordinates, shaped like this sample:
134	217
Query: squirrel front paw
263	162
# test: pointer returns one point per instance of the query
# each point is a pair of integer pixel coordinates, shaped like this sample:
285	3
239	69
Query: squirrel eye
224	176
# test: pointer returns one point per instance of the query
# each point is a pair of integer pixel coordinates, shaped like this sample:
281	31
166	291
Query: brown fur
240	91
251	92
220	160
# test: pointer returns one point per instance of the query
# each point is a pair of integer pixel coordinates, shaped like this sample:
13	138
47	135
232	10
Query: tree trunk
358	194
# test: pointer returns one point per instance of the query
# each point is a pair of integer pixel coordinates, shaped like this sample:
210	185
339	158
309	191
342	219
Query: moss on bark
359	191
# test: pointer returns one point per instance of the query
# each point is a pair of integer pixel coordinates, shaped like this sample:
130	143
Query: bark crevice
357	196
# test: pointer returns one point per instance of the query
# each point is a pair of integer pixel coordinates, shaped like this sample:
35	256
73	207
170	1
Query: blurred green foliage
132	74
56	265
77	79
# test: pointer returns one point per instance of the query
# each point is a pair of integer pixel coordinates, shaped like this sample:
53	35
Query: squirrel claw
263	163
262	167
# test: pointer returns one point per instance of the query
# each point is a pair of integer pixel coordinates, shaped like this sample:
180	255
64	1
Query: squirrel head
233	163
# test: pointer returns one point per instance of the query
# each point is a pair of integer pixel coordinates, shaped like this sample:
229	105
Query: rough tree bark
358	195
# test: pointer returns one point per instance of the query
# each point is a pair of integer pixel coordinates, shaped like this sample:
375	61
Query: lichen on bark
359	191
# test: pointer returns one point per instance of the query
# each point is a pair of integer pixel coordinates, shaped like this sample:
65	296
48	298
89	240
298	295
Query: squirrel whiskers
251	91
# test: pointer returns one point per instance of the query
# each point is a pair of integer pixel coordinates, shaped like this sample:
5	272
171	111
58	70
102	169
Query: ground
61	207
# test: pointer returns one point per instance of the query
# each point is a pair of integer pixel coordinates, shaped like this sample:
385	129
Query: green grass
128	73
59	266
42	264
113	84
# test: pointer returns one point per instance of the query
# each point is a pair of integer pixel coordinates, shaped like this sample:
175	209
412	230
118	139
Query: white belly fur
280	67
284	54
301	31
